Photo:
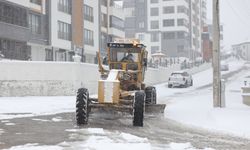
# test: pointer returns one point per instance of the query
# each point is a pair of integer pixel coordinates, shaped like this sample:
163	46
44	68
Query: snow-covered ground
18	107
196	107
100	139
200	79
193	108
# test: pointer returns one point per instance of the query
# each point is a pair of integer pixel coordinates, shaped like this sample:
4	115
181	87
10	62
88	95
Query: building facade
23	26
56	30
174	26
242	50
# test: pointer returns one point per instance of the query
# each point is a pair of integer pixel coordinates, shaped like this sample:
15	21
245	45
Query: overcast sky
235	16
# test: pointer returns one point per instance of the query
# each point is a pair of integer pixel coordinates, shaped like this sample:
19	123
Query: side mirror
105	61
145	62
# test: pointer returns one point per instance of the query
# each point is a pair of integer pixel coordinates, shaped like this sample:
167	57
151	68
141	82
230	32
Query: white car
180	79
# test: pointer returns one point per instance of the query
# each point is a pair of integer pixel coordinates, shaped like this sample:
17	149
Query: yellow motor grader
121	87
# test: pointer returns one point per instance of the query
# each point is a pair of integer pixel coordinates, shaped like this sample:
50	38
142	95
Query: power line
236	13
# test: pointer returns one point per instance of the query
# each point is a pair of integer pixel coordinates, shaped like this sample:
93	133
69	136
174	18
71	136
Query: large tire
191	83
82	102
185	85
138	109
170	86
150	95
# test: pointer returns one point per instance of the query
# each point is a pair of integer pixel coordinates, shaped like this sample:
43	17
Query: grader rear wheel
82	110
139	109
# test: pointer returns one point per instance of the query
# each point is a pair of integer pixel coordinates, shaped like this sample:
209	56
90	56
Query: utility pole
216	55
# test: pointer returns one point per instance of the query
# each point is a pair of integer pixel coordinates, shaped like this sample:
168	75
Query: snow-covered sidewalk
196	109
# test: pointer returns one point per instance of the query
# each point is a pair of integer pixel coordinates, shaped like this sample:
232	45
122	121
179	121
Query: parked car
224	66
180	79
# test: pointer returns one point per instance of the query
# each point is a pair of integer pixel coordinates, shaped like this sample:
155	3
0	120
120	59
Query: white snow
200	79
10	124
17	107
35	147
1	131
196	108
183	146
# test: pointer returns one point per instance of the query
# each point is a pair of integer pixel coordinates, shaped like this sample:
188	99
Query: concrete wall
19	78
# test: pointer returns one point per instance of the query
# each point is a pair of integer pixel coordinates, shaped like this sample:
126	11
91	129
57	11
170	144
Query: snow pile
99	139
17	107
183	146
35	147
1	131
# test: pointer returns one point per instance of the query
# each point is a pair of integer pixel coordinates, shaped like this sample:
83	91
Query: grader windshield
125	56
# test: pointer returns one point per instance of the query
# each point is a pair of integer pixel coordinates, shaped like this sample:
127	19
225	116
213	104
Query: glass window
169	35
38	2
88	13
168	23
168	10
116	23
65	6
64	31
154	49
154	1
155	37
88	37
154	25
154	12
35	23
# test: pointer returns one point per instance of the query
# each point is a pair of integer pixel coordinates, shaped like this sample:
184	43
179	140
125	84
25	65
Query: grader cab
121	87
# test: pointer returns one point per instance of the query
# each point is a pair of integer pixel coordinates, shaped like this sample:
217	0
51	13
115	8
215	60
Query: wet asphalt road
50	130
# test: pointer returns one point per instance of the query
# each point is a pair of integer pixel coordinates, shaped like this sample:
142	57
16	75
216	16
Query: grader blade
154	108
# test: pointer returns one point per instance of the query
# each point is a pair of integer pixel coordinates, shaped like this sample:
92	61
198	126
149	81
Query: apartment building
136	24
111	22
242	50
65	29
22	24
56	30
174	26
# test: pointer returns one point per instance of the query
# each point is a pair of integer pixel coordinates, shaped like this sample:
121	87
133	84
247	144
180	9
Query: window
154	12
64	6
182	22
154	1
168	23
154	49
141	37
180	35
88	37
154	24
180	49
169	35
13	15
35	23
49	55
116	23
141	25
168	10
104	2
88	13
38	2
64	31
155	37
182	9
104	21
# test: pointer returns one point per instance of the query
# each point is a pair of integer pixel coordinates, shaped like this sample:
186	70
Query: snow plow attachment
154	108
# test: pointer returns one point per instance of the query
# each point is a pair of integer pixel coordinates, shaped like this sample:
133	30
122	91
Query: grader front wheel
138	109
82	110
150	95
